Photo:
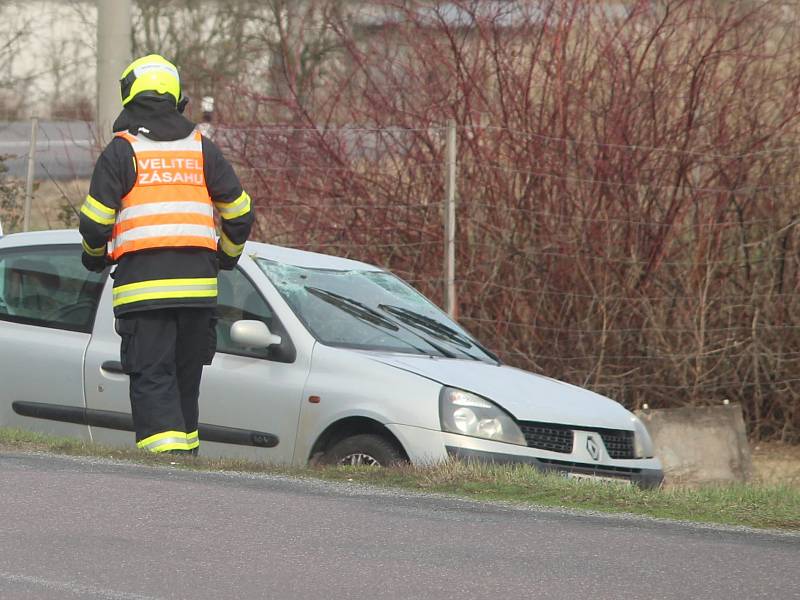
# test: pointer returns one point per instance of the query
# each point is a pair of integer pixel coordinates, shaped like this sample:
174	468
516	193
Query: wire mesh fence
649	292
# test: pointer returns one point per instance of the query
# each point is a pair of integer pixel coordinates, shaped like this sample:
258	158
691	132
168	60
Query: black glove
226	263
95	264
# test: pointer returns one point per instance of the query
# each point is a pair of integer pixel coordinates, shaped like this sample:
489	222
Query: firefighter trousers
163	351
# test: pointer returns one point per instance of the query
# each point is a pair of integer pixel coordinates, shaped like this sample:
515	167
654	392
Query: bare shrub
627	183
12	193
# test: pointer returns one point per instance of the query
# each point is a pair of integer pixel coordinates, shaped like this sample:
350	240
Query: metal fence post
26	223
450	222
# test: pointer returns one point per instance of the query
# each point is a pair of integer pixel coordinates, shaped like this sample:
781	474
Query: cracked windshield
370	310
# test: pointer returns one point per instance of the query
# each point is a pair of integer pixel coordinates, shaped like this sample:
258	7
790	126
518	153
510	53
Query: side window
48	286
237	300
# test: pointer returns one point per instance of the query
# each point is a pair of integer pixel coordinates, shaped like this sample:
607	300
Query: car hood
527	396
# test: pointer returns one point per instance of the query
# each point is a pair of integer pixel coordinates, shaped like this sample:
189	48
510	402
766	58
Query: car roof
280	254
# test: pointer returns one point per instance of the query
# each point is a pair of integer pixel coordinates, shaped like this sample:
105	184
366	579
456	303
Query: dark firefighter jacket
166	276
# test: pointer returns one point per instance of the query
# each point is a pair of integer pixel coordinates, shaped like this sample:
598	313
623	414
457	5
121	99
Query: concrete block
700	445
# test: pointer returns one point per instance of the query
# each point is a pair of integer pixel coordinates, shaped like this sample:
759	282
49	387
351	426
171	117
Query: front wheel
363	449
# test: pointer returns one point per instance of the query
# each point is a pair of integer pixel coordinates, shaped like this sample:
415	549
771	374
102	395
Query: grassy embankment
754	505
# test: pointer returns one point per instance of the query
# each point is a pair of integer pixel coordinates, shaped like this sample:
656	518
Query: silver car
319	358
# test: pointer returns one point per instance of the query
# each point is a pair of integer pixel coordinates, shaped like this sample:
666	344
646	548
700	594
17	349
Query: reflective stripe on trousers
192	440
169	440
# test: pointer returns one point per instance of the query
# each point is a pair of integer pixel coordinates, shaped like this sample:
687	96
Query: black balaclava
156	117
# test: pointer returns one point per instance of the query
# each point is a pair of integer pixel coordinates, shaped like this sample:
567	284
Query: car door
47	308
255	389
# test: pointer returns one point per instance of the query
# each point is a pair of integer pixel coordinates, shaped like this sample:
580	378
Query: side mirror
253	334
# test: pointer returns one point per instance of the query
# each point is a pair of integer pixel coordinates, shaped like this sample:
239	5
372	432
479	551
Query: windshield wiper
436	328
363	312
353	307
432	325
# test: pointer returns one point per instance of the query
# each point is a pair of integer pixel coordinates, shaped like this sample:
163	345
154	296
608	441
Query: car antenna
63	194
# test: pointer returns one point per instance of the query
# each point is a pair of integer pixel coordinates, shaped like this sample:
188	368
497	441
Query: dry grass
776	463
761	505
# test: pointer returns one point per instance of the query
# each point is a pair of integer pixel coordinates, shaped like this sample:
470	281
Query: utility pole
26	218
113	55
450	222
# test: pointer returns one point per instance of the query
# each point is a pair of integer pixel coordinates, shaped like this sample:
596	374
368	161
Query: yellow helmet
151	73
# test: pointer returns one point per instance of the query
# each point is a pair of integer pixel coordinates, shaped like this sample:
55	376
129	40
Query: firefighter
150	211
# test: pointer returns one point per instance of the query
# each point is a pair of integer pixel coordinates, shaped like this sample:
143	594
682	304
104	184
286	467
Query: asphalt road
84	528
63	149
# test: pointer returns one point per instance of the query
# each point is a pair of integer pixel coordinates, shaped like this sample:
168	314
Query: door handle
113	366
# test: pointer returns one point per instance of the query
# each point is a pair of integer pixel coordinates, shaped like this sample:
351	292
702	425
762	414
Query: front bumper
430	446
643	477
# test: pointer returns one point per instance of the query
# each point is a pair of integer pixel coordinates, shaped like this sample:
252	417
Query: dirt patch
775	463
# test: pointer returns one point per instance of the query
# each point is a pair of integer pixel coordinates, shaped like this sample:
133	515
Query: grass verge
754	505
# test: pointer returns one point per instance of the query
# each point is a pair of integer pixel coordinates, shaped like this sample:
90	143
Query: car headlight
642	443
466	413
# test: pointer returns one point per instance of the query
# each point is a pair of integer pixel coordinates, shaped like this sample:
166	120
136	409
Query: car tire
366	449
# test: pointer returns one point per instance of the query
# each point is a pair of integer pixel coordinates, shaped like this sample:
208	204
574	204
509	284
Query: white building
50	58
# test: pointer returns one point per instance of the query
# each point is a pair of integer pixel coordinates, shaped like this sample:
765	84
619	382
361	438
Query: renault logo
592	448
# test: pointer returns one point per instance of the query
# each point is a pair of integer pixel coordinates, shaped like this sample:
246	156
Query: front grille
559	438
546	436
618	442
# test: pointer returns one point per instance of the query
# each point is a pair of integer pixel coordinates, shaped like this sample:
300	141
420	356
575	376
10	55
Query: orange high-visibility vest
169	205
